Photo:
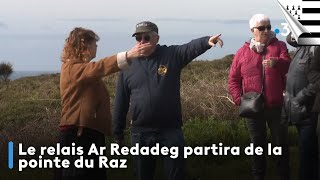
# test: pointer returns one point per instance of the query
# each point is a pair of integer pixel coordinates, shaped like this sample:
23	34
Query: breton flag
303	17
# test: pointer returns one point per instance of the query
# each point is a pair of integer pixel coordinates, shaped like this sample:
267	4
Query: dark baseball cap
145	26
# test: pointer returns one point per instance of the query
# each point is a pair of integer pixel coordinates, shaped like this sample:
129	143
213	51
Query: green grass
30	112
197	133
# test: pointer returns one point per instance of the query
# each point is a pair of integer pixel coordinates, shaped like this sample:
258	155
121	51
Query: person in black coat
299	102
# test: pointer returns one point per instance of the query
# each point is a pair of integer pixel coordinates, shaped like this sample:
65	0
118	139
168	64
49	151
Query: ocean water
20	74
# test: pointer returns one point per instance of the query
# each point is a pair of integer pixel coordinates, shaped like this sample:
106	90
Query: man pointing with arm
152	88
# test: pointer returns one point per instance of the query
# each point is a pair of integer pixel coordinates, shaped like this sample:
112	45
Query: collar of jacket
155	53
247	43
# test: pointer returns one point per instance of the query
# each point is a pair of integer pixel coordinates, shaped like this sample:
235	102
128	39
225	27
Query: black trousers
88	137
145	165
258	134
308	149
318	135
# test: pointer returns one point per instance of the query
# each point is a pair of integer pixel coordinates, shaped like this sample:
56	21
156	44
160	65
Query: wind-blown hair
77	43
257	18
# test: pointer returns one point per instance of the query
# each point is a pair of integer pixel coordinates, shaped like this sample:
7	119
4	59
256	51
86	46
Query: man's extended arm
187	52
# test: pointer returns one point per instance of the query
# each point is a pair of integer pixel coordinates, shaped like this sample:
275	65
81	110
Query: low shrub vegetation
30	112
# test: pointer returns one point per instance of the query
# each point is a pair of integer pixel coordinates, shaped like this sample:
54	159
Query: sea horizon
19	74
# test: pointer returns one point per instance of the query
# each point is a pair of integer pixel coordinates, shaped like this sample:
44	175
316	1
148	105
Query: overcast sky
32	32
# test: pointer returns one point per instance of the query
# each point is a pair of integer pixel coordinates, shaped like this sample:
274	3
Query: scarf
259	47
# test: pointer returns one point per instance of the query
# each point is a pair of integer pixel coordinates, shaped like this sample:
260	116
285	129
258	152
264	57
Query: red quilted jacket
246	73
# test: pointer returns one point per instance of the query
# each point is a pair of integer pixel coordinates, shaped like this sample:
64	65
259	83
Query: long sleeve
313	74
314	69
283	62
121	107
187	52
83	72
235	80
284	58
306	94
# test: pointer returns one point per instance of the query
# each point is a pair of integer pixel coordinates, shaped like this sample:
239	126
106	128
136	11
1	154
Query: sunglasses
263	28
146	37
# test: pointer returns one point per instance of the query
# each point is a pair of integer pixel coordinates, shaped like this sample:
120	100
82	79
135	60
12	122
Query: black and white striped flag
303	17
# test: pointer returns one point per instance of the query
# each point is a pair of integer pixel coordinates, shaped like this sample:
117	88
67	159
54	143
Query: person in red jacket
263	52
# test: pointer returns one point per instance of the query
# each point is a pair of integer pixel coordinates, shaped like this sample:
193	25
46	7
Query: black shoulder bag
252	103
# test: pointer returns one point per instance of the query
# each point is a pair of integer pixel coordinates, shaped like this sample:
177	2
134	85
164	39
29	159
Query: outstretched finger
214	40
220	42
216	36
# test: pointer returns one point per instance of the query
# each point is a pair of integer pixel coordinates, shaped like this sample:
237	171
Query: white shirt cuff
122	60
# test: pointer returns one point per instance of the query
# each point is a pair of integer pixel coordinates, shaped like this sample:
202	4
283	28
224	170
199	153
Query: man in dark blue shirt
152	88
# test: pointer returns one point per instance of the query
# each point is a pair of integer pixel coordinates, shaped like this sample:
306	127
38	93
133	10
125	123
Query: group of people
291	96
149	84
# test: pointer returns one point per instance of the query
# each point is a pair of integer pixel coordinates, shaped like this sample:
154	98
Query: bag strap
262	82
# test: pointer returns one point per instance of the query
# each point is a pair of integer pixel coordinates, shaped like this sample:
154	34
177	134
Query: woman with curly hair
85	115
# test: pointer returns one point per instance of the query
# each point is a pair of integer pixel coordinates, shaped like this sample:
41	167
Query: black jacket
314	77
152	88
301	88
